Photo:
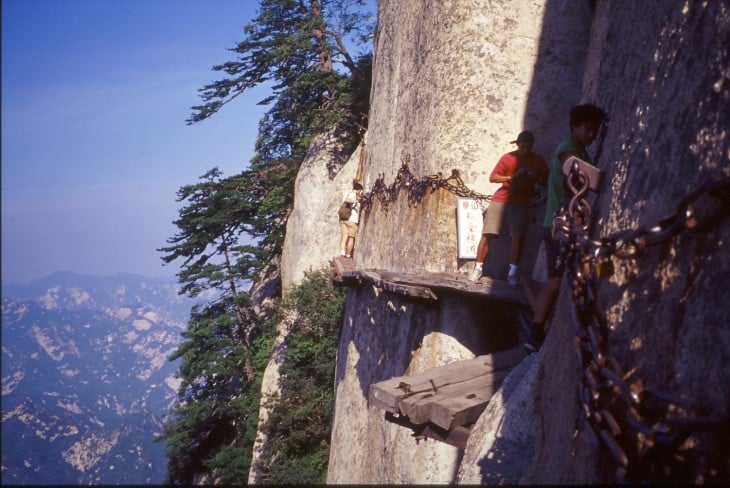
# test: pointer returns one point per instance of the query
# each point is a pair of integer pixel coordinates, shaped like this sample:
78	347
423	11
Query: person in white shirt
348	227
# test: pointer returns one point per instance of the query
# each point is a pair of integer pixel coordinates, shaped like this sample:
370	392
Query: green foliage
298	47
299	424
213	427
287	39
214	424
210	226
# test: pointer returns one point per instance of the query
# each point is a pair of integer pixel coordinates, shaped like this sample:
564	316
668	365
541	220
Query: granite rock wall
453	82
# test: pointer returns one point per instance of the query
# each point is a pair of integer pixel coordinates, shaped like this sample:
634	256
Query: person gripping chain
348	226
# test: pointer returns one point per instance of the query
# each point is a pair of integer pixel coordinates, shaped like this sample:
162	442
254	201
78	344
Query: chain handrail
417	188
645	430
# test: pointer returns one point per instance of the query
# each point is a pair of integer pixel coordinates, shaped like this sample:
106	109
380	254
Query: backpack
345	211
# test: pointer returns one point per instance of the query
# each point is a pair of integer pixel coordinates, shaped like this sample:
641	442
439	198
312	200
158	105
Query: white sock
342	253
477	265
512	269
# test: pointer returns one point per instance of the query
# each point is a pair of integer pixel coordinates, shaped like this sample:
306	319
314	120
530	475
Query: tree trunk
325	57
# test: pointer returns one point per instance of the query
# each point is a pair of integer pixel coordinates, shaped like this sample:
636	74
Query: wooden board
345	267
426	285
399	287
453	404
449	395
446	282
455	437
486	286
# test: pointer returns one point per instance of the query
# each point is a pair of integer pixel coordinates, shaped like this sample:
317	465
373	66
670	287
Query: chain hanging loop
644	430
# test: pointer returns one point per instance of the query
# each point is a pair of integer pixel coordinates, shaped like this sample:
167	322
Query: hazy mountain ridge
69	290
85	378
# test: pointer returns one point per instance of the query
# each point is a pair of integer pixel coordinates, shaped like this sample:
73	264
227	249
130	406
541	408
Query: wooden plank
344	267
396	287
456	411
426	285
455	437
339	267
336	277
486	287
410	291
508	358
388	394
453	404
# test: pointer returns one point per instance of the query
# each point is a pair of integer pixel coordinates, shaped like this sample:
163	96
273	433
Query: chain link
417	188
645	430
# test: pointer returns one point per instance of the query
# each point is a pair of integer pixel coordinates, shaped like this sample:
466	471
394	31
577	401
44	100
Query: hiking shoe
535	339
513	280
475	274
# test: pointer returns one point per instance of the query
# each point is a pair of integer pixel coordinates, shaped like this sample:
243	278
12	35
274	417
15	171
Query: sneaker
535	339
475	274
513	280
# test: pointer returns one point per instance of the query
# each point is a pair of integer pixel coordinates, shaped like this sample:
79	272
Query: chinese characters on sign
469	227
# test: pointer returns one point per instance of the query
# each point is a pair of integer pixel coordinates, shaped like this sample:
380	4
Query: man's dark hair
586	113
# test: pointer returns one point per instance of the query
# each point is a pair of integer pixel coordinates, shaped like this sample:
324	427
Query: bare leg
343	241
515	251
531	289
482	249
545	300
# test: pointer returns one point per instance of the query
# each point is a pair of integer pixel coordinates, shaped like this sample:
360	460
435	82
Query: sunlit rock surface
453	81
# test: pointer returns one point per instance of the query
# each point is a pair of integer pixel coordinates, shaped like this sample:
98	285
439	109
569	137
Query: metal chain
418	187
645	430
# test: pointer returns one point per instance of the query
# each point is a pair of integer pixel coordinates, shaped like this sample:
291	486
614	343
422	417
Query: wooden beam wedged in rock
448	282
415	393
344	268
426	285
456	437
457	402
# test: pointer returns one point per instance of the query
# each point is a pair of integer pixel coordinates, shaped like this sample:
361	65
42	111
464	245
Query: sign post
469	227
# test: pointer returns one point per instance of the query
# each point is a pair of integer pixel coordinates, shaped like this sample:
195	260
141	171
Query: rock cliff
453	82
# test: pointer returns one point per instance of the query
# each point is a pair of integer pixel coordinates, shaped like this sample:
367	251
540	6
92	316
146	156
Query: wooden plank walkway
442	402
344	268
424	285
448	396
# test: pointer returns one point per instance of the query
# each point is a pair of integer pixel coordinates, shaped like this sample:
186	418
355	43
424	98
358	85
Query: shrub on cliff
300	423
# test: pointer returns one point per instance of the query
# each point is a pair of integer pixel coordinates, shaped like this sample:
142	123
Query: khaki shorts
348	228
514	213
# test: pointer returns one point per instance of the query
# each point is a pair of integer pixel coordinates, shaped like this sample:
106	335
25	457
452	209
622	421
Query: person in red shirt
518	171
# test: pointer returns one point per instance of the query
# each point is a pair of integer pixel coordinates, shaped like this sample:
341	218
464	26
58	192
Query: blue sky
95	94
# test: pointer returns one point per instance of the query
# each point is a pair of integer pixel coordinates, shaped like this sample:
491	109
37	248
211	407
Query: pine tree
316	85
287	40
210	227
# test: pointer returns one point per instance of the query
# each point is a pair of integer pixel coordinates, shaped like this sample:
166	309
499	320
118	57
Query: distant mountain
67	290
86	380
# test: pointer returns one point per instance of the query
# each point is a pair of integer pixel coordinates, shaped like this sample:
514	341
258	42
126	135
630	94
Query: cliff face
312	231
453	83
662	71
